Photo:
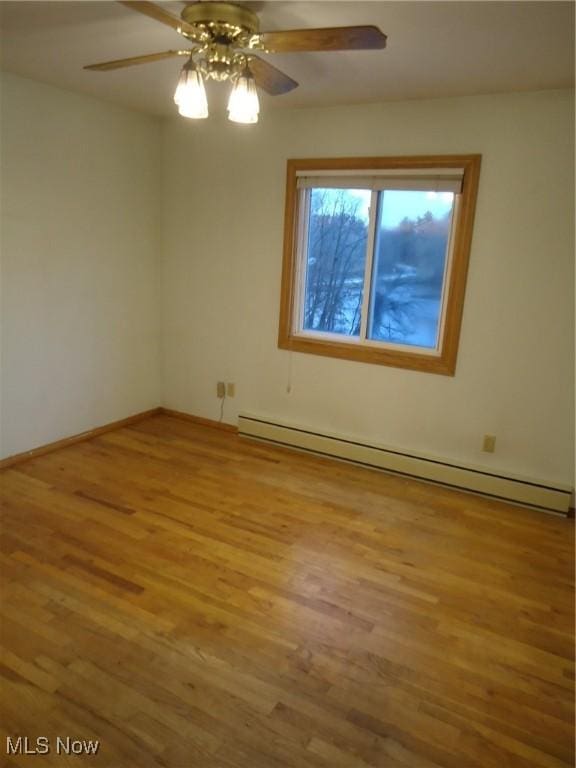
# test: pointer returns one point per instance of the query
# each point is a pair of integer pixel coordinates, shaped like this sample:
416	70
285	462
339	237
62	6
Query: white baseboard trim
549	497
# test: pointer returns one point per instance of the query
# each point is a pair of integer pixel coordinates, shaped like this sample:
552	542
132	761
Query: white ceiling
434	49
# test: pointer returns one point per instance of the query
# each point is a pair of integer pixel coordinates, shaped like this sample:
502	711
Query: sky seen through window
402	204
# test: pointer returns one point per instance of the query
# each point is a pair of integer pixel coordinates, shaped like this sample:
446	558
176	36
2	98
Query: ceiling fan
225	37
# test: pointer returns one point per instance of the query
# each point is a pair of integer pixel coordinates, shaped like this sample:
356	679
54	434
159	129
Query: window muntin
375	258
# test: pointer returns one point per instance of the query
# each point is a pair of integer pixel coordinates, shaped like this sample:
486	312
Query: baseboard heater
544	496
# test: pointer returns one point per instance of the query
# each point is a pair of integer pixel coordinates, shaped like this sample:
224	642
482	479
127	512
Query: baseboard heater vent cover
548	497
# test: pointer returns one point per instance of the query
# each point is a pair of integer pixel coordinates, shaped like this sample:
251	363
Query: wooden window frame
440	362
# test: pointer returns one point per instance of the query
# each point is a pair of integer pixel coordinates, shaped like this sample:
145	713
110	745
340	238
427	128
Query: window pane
335	260
412	235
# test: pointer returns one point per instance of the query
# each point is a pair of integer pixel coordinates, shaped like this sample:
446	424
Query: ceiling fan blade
269	78
327	39
159	14
119	63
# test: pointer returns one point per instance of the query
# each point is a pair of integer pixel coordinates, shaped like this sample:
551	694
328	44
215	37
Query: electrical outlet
220	389
489	443
230	389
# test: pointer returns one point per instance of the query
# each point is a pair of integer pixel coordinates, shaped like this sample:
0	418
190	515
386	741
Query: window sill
364	353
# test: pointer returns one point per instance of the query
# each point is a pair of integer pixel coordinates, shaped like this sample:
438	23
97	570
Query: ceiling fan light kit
243	105
225	36
190	95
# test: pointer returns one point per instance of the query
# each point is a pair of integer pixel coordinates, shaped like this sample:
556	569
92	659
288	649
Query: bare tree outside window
407	274
336	261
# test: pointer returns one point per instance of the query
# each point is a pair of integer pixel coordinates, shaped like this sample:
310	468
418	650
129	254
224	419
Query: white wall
223	201
79	246
79	283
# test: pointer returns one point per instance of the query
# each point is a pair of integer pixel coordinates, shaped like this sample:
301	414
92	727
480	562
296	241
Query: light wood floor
196	601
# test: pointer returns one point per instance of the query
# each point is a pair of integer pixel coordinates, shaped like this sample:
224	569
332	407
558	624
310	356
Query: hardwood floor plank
188	597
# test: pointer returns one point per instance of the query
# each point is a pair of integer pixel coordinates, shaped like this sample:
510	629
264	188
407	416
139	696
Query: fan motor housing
216	14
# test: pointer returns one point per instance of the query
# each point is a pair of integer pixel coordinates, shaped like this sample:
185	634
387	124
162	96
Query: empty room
287	384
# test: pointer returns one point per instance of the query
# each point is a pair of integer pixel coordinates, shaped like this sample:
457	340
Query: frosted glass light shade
243	105
190	95
178	93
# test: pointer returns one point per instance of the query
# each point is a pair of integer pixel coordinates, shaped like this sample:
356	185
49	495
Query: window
376	256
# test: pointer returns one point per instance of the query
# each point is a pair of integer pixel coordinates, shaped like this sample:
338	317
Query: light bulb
243	106
190	95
